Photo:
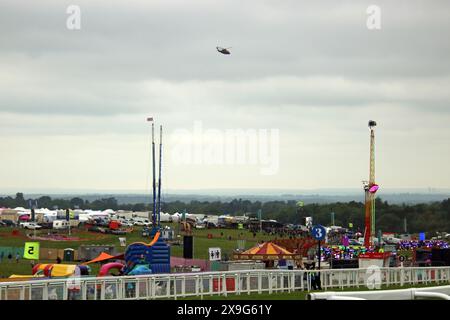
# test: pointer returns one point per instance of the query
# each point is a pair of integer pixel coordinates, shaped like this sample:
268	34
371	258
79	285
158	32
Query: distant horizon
227	191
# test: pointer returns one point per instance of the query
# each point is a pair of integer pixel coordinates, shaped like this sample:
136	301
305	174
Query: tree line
425	217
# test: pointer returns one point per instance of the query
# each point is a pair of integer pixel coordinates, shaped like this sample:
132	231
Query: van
60	224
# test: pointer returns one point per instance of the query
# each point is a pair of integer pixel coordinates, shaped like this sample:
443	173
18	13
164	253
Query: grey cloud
311	69
255	101
101	69
176	42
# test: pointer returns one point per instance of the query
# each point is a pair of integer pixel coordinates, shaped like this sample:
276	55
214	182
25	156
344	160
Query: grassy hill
223	238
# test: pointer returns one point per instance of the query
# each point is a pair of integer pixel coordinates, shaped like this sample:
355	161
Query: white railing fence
173	286
441	292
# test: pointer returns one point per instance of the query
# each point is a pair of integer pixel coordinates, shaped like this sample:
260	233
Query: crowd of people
414	244
10	257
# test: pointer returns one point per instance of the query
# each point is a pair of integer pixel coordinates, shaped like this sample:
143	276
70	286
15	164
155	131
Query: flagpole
152	216
159	178
154	175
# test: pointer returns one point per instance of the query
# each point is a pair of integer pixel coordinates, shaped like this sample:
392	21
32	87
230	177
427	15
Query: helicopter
223	50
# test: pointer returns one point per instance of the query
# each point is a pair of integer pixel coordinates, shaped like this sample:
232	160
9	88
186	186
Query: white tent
176	217
109	211
165	217
91	214
96	213
83	217
45	211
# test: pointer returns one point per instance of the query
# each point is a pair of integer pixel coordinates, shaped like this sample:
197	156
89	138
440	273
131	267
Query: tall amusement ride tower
370	188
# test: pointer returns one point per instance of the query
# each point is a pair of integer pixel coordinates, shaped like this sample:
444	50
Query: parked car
391	240
30	225
100	222
211	225
127	224
9	223
142	222
374	241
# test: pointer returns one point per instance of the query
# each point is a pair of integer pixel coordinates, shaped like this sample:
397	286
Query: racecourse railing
441	292
178	285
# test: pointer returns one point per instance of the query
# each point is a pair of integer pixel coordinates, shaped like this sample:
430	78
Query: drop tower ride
370	189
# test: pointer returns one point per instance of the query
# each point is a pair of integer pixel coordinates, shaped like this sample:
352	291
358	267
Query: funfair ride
370	189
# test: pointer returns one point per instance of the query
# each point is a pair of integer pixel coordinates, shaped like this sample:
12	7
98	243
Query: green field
201	243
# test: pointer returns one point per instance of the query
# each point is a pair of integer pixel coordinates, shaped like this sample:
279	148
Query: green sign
31	250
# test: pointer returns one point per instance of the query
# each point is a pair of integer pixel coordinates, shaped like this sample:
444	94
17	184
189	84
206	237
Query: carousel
265	252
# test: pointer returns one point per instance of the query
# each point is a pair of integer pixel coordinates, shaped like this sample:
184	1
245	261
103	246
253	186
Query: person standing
317	284
17	257
2	255
10	257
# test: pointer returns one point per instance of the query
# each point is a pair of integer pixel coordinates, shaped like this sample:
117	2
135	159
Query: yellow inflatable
57	270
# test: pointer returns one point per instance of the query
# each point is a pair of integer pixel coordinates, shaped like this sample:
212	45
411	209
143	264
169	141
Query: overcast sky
73	103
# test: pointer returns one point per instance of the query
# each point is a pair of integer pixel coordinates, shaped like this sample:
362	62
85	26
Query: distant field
201	243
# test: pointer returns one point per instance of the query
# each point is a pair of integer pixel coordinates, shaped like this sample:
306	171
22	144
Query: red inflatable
108	266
